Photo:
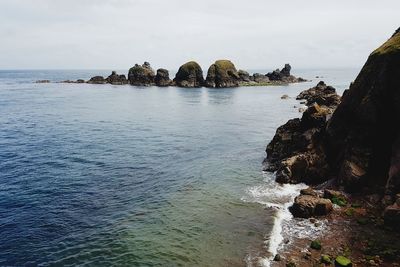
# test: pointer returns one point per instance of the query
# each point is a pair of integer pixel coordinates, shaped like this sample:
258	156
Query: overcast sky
116	34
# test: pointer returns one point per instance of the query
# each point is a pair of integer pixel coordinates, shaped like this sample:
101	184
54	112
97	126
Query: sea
117	175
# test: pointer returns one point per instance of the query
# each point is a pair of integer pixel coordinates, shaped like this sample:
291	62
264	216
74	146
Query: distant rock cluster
221	74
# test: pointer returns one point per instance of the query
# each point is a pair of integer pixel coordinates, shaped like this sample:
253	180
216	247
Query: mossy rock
342	261
291	264
391	46
221	74
349	212
316	244
189	74
326	259
142	75
339	201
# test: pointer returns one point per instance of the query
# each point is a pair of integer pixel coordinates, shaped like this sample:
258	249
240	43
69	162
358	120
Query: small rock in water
284	97
43	81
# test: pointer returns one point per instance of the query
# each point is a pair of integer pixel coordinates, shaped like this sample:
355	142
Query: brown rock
306	206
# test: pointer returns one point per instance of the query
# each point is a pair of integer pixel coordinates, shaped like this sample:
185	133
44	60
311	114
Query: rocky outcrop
116	79
141	75
309	204
321	94
360	144
97	80
162	78
222	74
189	75
284	75
244	76
260	78
297	151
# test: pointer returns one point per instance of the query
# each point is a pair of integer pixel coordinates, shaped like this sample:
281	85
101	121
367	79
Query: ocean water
103	175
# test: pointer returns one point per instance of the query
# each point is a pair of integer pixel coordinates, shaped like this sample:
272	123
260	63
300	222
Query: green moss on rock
316	244
392	45
326	259
189	74
342	261
222	73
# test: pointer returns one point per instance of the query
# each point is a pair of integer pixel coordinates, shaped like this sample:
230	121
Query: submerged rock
222	74
162	78
189	75
141	75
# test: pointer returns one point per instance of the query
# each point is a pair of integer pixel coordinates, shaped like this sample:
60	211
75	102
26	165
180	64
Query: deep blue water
100	175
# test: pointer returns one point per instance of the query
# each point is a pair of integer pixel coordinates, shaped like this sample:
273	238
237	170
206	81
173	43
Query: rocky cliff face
359	144
221	74
363	135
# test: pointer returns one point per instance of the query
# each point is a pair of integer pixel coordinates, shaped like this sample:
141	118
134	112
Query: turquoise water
101	175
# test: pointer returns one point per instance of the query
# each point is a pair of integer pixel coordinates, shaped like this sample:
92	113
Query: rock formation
284	75
244	76
360	144
363	135
260	78
141	75
116	79
296	152
222	74
97	80
309	204
189	75
162	78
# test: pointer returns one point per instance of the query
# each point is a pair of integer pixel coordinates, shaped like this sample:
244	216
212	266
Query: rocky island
348	150
221	74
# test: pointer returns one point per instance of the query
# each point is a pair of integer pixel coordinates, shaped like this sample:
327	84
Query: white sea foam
278	197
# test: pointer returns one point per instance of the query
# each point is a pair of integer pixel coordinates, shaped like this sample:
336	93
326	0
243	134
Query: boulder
244	76
141	75
222	74
116	79
97	80
309	191
189	75
306	206
162	78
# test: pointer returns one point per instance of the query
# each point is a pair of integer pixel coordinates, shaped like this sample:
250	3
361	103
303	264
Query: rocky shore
348	150
221	74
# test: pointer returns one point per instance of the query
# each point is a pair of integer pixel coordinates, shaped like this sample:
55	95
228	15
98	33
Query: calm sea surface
103	175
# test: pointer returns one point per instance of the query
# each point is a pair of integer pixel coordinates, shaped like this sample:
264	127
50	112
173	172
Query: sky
254	34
